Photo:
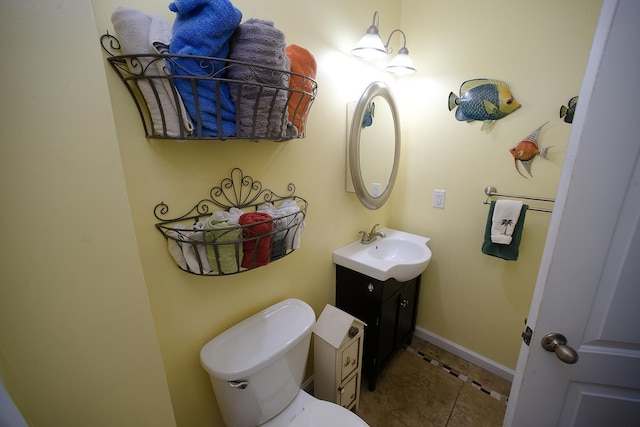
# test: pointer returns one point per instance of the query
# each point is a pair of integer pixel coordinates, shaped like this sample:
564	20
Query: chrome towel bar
491	191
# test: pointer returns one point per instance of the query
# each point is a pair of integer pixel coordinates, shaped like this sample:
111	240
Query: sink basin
399	255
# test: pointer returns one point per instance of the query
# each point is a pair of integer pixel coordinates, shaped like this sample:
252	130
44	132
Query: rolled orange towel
302	62
257	230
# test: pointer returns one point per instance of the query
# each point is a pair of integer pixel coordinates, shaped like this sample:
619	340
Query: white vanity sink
399	255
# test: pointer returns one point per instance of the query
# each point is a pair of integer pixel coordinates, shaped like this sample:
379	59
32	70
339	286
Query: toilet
257	366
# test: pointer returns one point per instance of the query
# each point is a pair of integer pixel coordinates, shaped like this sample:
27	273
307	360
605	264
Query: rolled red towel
257	230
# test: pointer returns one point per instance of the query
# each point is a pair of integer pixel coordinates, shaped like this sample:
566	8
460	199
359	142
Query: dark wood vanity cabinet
387	307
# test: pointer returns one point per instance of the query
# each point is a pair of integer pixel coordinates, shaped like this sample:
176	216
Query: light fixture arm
376	20
404	40
373	28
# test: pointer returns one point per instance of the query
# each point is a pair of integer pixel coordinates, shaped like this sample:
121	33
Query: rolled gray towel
261	113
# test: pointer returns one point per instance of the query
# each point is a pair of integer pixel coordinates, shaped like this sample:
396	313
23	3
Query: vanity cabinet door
389	310
388	330
407	310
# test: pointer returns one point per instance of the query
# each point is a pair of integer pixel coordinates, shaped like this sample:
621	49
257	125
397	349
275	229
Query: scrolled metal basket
184	97
207	240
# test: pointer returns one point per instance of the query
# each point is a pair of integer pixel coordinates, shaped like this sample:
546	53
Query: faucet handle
373	230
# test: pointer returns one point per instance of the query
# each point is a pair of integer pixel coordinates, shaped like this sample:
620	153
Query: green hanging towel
510	251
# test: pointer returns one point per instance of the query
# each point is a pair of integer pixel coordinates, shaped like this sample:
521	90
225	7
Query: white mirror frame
373	90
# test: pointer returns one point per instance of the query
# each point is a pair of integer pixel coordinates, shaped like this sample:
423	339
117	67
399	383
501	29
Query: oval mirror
374	145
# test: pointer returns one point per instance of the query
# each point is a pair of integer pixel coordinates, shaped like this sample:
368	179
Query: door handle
557	343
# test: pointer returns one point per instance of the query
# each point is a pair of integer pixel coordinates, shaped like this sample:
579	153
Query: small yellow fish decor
568	111
527	149
483	99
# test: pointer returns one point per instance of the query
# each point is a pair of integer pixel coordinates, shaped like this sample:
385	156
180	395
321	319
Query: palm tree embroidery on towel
506	222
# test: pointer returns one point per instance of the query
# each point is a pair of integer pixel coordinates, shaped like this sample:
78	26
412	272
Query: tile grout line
462	377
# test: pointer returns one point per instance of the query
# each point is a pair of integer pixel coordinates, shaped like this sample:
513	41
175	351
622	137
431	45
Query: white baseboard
468	355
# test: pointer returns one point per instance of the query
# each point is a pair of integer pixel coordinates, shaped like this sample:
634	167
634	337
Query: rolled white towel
293	238
175	248
141	33
186	249
198	235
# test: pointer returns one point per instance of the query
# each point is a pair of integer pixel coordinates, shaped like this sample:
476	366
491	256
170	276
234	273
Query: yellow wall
190	310
87	306
540	49
77	340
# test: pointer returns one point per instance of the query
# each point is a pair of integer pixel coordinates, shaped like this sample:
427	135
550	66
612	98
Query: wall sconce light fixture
371	46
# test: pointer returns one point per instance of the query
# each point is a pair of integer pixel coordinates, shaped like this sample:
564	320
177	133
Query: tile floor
425	386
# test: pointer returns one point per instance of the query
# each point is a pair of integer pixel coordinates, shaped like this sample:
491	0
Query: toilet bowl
307	411
256	369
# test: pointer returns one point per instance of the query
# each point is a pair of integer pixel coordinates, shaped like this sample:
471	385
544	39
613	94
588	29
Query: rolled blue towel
203	28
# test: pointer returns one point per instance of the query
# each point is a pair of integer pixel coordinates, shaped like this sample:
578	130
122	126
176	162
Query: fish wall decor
527	149
568	111
484	100
369	112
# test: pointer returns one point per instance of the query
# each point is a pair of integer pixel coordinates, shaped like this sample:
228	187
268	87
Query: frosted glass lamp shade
402	64
370	45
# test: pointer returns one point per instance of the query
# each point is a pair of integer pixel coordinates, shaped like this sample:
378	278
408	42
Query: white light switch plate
438	199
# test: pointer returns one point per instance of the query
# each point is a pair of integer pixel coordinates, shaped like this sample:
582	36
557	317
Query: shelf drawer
350	358
348	392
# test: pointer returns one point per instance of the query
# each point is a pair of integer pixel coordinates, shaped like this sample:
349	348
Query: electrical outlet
438	199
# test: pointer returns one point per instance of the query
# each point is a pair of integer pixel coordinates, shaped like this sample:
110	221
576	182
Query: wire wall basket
240	226
183	97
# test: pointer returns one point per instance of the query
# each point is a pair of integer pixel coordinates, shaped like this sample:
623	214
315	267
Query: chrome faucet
371	236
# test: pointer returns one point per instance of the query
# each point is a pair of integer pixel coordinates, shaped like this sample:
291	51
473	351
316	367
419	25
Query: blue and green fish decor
369	112
569	110
485	100
527	149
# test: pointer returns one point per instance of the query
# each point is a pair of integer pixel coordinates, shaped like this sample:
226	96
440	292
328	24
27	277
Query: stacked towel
296	223
261	110
257	232
288	224
302	62
187	249
506	232
141	33
203	28
224	250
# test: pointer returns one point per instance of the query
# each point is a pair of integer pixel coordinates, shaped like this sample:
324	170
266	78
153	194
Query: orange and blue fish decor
527	149
569	110
484	100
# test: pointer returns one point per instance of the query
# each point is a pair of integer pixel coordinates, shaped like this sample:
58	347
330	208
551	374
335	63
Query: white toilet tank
257	366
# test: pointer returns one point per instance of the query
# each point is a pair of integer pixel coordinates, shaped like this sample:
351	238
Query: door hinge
526	335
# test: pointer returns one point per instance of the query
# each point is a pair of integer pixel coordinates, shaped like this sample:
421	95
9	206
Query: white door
588	286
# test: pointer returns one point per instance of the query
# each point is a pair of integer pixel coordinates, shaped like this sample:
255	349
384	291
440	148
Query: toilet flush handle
241	384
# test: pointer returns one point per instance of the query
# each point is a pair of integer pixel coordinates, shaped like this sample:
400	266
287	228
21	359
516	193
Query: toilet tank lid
248	346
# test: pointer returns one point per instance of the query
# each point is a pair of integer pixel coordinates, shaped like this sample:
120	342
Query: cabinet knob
347	361
404	303
370	287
